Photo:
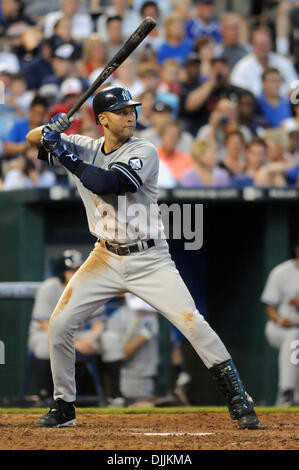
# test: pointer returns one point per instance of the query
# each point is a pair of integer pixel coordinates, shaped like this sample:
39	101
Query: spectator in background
145	112
24	41
19	97
8	114
273	173
169	88
291	130
191	81
204	46
115	37
27	172
126	76
40	66
292	122
147	50
283	25
247	73
16	140
200	102
82	26
185	9
176	45
12	16
234	159
230	47
8	60
275	108
221	120
169	82
204	23
94	56
255	158
123	8
177	162
63	64
281	300
206	171
162	114
249	114
62	34
149	74
70	90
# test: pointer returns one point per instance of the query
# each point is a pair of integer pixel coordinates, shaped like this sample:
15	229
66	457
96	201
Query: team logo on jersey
135	163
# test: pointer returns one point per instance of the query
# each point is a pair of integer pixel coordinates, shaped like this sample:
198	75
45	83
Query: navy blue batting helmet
112	99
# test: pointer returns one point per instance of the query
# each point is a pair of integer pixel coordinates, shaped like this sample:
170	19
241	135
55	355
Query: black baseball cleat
62	414
249	421
240	404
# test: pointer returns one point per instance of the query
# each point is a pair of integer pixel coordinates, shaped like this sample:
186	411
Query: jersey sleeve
82	146
136	165
272	292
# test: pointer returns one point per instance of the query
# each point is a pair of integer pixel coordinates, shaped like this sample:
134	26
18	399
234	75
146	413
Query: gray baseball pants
150	275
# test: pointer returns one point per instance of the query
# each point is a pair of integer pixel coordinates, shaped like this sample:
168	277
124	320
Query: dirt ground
192	431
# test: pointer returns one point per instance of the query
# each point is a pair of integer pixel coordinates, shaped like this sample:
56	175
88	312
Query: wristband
69	160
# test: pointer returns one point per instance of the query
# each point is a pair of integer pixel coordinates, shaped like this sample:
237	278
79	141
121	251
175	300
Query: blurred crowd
218	80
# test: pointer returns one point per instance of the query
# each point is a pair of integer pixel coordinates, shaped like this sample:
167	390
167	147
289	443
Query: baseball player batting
130	254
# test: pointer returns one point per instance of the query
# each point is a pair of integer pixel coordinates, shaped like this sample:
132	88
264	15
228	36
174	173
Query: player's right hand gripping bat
33	137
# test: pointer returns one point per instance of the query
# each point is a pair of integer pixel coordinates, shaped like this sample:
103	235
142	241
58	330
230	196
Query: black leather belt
125	249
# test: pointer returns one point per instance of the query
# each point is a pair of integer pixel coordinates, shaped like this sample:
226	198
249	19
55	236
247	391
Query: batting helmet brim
118	106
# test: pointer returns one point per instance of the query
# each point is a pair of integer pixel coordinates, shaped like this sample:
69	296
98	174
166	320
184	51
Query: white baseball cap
71	86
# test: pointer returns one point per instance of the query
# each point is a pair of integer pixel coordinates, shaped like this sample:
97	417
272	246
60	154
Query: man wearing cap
199	100
204	24
281	299
162	114
63	64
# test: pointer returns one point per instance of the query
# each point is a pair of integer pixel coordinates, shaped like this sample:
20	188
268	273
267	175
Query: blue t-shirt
195	28
179	53
292	175
275	114
18	131
241	181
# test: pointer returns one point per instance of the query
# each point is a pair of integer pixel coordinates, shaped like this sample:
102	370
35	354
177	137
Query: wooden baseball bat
33	137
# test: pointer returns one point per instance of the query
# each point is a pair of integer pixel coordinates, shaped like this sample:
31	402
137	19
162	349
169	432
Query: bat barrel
128	47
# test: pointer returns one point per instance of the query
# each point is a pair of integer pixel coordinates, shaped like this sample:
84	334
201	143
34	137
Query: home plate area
150	431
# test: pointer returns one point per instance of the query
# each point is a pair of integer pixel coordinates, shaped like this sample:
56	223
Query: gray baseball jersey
281	286
129	217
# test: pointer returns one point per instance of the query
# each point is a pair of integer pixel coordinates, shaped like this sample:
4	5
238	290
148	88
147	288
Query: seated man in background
255	159
15	142
275	107
131	335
